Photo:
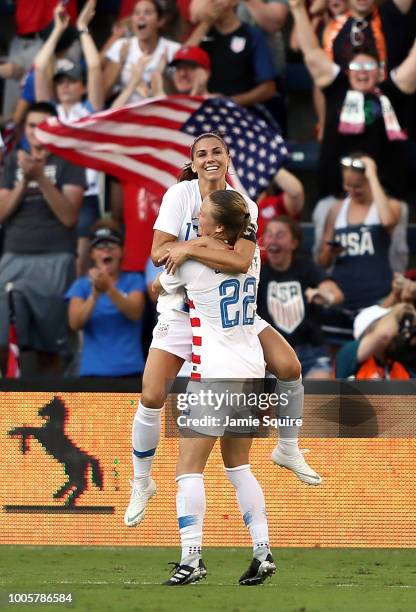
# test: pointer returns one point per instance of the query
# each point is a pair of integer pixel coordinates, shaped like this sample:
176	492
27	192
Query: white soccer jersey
222	315
179	210
178	216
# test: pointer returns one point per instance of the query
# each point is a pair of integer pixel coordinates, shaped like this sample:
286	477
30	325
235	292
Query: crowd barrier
66	465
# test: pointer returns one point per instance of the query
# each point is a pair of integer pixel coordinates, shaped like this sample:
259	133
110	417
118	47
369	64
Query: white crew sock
252	507
145	438
294	394
190	510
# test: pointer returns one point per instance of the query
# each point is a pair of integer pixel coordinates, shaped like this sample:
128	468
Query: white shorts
173	333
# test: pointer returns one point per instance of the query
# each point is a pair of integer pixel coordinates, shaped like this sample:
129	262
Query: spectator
356	241
366	25
31	19
291	290
362	113
288	200
384	345
107	305
69	91
188	73
242	66
269	16
40	197
146	46
322	12
67	47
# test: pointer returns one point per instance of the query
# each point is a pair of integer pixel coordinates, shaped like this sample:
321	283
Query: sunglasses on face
356	66
357	164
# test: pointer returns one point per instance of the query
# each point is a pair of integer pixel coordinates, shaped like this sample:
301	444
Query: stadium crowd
76	274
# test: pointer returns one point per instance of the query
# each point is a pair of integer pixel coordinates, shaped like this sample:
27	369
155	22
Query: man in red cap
192	68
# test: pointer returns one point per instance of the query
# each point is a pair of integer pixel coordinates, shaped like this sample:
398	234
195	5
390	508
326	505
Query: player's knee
153	397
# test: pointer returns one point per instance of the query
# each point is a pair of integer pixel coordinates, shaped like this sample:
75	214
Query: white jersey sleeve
171	282
172	211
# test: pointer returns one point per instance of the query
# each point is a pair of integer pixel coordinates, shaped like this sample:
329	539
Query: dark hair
41	107
158	4
187	174
294	227
368	49
230	210
353	156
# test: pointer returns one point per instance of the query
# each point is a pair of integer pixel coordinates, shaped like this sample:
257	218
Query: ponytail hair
187	174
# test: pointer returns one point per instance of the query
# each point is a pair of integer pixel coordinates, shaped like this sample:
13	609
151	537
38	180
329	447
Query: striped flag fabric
149	142
13	359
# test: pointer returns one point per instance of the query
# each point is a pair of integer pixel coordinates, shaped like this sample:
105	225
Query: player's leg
282	362
190	508
250	498
161	368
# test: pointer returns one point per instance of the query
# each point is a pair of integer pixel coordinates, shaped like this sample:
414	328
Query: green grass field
126	579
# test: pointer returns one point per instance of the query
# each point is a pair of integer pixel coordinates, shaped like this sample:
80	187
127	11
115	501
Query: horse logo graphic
57	443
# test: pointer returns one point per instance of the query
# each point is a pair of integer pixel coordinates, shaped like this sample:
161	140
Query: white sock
190	510
252	506
288	447
145	438
294	394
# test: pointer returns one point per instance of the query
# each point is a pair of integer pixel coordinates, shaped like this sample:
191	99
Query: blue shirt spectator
112	342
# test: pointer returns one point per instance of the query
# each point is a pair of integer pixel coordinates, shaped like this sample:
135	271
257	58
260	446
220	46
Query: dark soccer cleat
186	574
258	571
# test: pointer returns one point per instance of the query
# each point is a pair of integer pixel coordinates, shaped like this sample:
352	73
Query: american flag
149	142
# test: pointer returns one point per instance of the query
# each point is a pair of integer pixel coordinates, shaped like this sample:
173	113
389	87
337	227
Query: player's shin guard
145	438
291	397
190	510
252	506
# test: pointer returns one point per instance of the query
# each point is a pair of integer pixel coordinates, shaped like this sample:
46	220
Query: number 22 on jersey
232	307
